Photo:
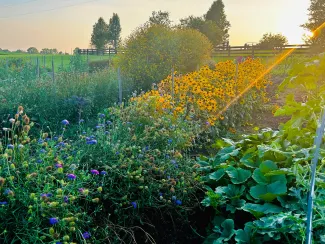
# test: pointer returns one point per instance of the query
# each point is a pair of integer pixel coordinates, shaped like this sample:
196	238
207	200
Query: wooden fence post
52	69
119	85
37	68
228	51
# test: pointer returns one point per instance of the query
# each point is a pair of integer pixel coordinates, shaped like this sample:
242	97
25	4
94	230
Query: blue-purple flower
65	122
10	146
102	116
66	199
91	142
81	121
134	204
103	173
86	235
58	166
174	198
3	203
94	172
54	221
71	176
178	202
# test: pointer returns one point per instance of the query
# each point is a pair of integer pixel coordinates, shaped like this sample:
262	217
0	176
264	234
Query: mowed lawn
46	60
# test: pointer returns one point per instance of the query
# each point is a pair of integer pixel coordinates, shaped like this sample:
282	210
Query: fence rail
108	51
246	50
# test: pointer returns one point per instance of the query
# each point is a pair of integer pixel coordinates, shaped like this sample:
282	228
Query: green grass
59	60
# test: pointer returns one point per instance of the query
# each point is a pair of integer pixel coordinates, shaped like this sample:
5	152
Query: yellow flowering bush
202	94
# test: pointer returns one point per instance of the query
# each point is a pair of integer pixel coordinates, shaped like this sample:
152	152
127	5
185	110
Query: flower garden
173	164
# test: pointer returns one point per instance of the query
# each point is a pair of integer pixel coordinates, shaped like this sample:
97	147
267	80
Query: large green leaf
259	210
268	192
244	236
217	175
238	175
228	229
264	179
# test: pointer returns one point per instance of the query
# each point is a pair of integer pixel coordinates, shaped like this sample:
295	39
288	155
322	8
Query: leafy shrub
98	65
305	103
153	50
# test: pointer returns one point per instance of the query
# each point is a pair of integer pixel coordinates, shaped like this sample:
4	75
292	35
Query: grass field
46	60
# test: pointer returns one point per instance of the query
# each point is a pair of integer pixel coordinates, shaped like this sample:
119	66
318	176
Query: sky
66	24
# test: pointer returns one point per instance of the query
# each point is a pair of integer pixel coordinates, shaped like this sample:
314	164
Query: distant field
58	59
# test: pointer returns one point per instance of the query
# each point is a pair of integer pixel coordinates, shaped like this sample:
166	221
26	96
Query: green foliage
160	18
117	183
99	35
315	24
267	179
206	27
306	80
217	14
114	30
32	50
98	65
269	41
154	50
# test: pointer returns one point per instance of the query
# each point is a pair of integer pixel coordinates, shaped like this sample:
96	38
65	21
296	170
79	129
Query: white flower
12	120
316	61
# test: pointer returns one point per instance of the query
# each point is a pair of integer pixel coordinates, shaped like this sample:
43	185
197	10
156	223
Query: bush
153	50
98	65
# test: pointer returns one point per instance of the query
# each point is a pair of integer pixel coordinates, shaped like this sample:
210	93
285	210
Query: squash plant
258	187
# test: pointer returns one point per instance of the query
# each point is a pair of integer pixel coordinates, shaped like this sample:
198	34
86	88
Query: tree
270	41
160	18
206	27
99	35
315	21
76	50
217	14
32	50
114	30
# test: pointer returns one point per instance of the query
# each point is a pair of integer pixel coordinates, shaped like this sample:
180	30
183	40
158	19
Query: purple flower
58	166
54	221
94	172
10	146
3	203
71	176
65	122
91	142
160	194
39	161
170	141
49	194
103	173
98	127
134	204
86	235
84	132
102	116
66	199
42	150
81	121
178	202
81	190
7	191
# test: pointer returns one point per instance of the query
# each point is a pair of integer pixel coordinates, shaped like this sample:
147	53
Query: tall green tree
315	22
206	27
270	40
114	30
160	18
99	35
217	14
